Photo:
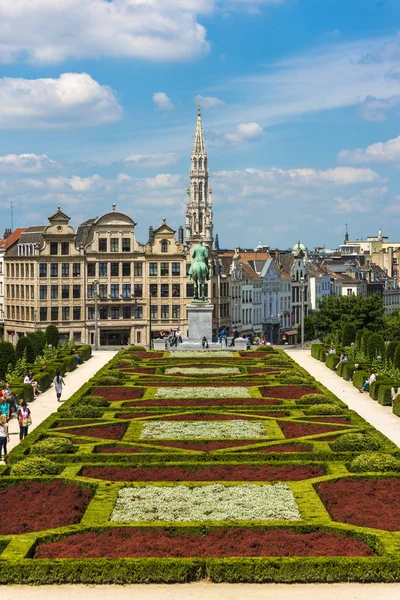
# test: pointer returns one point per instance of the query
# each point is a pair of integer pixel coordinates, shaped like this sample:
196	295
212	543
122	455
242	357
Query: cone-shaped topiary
348	334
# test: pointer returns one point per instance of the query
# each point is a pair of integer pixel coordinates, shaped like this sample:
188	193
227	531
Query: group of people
172	337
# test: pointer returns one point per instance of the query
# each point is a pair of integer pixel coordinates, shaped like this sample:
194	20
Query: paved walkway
47	403
381	417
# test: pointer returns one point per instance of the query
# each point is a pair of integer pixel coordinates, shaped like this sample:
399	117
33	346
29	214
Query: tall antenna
12	214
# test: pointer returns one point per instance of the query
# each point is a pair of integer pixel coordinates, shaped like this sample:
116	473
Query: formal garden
175	467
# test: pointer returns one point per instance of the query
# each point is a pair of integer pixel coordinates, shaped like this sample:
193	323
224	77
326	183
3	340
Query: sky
300	102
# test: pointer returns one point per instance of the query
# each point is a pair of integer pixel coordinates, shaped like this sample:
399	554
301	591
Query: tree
309	329
7	357
375	346
364	341
392	326
348	334
52	335
38	339
25	344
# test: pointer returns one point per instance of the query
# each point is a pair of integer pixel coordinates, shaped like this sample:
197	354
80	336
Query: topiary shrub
53	445
276	360
348	334
325	409
396	357
354	442
331	361
7	357
396	406
23	390
121	375
375	346
38	339
108	380
347	370
313	399
292	379
43	380
385	394
359	378
85	352
52	335
84	411
372	462
364	341
24	344
269	349
94	401
35	466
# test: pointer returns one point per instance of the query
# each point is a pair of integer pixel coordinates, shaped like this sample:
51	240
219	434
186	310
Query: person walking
58	384
4	437
24	419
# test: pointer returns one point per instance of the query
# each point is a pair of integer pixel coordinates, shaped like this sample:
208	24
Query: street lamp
96	316
302	311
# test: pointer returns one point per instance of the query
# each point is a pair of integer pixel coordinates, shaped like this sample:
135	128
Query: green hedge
396	406
331	361
385	395
85	352
359	378
24	390
318	351
43	380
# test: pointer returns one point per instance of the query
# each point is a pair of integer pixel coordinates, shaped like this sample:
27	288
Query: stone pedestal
159	344
240	344
199	321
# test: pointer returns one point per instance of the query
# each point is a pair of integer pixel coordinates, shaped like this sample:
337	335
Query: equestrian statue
199	271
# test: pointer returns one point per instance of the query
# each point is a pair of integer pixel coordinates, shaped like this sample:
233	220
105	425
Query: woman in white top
58	383
4	436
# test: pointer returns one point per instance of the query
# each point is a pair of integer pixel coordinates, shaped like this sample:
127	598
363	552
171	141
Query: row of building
100	281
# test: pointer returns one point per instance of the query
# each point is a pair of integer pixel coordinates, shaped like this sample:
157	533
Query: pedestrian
367	383
24	419
58	383
204	342
4	437
5	407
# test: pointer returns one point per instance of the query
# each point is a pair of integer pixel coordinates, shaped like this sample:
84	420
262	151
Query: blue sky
300	103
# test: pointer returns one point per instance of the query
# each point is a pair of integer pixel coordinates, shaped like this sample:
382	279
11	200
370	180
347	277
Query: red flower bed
108	432
292	430
209	473
286	448
118	393
37	505
206	446
363	502
127	542
206	402
119	450
289	392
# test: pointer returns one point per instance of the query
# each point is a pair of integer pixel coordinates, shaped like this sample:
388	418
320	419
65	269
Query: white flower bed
202	354
248	502
202	430
202	392
206	371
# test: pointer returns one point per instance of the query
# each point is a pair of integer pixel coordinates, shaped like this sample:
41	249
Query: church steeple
199	206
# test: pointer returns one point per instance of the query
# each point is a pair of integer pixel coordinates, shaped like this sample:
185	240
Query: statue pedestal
199	321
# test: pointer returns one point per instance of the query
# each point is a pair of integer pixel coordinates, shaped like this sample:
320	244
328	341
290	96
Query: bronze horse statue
199	271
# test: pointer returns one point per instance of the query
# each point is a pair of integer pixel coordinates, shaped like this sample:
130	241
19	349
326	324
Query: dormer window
164	245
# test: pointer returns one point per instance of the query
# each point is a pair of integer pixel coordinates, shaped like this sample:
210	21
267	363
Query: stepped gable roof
10	241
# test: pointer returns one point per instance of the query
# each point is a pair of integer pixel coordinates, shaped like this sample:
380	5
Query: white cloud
27	163
381	152
162	101
74	99
375	109
151	160
244	133
209	101
362	202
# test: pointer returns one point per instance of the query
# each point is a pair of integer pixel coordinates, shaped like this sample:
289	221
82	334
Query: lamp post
150	332
96	316
302	312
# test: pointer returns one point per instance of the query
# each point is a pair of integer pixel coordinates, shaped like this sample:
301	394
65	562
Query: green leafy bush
108	380
314	399
53	445
137	349
52	336
121	375
375	346
348	334
390	351
268	349
364	341
7	357
94	401
25	347
354	442
396	357
38	340
375	461
325	409
34	466
84	411
291	379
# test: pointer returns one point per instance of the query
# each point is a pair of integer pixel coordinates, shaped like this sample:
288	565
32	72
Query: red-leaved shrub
107	432
288	392
118	393
291	429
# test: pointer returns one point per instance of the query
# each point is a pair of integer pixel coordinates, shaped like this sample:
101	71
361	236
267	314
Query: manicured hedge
332	360
359	378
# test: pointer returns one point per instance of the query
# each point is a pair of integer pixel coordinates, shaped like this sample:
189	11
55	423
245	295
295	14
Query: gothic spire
199	146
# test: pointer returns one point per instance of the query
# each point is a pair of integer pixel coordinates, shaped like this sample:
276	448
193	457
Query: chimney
7	233
277	256
151	234
180	234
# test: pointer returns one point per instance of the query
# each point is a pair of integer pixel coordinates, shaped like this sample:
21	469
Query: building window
126	312
32	292
43	292
42	270
176	290
138	337
126	269
65	292
76	270
164	268
138	269
126	245
126	290
164	290
17	270
103	312
32	270
114	269
65	248
102	269
114	312
114	245
153	290
42	313
54	313
176	269
54	270
189	290
176	311
91	269
114	290
53	248
76	291
65	270
138	312
54	292
154	311
153	269
164	245
103	290
76	313
91	313
102	244
91	290
138	290
164	311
